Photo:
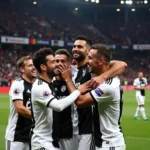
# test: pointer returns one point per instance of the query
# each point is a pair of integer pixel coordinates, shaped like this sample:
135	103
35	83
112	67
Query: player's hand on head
65	72
84	88
96	81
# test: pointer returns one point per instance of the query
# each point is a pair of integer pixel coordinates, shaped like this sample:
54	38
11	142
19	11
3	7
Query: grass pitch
136	132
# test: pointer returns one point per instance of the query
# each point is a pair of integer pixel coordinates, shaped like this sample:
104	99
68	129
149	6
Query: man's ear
101	61
43	67
21	69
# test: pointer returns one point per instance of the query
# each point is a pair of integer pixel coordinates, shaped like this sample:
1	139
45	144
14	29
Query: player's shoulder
144	78
136	79
17	86
114	82
39	88
18	82
39	85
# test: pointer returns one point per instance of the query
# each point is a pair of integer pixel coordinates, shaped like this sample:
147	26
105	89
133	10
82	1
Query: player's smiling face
61	59
29	69
93	61
51	66
79	50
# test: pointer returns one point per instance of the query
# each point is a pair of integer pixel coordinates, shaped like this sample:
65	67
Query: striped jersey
19	127
107	114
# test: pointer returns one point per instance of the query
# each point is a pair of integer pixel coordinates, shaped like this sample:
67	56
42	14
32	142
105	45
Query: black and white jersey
82	116
45	131
65	120
18	128
140	83
44	102
107	114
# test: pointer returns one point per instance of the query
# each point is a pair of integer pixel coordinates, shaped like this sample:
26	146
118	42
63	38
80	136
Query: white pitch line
137	138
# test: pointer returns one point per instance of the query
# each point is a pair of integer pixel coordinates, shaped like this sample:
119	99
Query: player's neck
82	63
46	78
28	79
59	78
102	70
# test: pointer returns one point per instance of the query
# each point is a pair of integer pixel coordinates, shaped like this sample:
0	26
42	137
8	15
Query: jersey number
28	104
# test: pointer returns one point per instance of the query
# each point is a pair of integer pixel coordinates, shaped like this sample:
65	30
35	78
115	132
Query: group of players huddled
59	106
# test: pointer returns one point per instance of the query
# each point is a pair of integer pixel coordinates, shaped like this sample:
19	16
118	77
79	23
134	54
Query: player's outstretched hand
84	88
65	72
96	81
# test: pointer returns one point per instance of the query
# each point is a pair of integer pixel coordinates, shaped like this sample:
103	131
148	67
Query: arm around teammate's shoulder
101	94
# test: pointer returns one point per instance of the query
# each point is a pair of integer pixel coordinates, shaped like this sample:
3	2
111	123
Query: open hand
84	88
65	72
96	81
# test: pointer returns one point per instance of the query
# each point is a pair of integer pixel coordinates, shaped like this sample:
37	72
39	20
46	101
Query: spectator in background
140	84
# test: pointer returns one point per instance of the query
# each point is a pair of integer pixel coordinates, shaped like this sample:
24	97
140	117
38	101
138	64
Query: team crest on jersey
56	89
77	85
63	88
99	92
83	73
46	94
16	91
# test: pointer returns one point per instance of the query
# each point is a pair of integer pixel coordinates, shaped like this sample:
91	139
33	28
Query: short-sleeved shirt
82	119
140	83
107	114
19	127
44	128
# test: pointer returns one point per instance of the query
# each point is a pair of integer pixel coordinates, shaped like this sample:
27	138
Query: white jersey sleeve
103	93
43	96
16	90
145	81
135	83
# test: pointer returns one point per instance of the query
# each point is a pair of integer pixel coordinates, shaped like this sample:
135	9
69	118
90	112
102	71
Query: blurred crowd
8	71
39	22
56	22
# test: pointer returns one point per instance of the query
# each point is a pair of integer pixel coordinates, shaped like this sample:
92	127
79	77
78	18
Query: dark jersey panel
24	124
97	132
142	82
85	114
65	120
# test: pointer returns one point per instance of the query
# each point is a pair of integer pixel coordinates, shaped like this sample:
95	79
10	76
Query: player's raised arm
116	68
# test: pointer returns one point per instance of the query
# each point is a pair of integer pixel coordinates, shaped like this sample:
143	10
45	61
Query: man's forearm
71	87
116	68
23	111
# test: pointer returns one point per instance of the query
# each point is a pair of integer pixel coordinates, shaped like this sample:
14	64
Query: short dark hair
20	62
85	38
39	57
64	52
103	51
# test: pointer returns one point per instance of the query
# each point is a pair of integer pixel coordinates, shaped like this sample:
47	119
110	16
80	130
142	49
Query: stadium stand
23	20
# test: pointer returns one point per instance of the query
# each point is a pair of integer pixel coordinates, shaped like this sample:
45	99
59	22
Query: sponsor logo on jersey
99	92
46	94
77	85
16	91
56	89
63	88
